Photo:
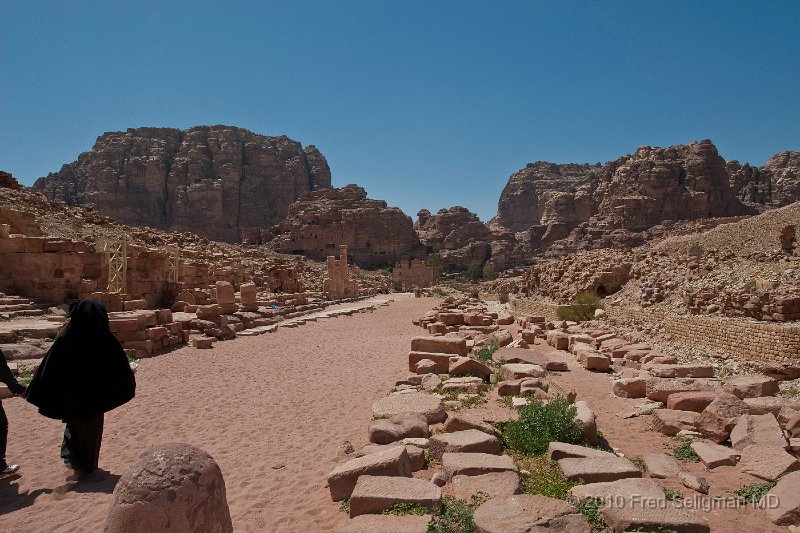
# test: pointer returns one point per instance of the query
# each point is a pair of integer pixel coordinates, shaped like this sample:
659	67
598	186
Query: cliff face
375	234
775	184
217	181
457	234
633	192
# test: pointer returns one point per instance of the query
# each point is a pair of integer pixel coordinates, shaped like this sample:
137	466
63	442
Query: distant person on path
84	375
11	382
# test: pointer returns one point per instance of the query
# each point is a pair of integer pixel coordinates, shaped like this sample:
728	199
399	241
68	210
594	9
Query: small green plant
17	335
546	478
475	272
25	375
456	516
790	392
591	510
580	308
435	260
753	492
439	292
484	355
488	271
345	506
503	297
540	424
639	462
672	495
682	450
405	508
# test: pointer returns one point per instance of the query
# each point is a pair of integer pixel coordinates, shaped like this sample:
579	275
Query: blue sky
425	104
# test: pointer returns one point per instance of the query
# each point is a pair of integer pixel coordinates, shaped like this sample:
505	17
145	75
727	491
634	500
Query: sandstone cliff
775	184
375	234
217	181
456	234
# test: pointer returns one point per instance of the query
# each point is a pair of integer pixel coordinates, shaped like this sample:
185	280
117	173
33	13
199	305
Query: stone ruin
338	283
171	487
413	274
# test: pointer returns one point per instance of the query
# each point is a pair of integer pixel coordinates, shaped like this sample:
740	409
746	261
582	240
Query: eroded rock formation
319	222
217	181
775	184
457	234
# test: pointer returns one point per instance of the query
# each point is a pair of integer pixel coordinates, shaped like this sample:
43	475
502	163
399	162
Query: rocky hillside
456	234
376	235
216	181
555	209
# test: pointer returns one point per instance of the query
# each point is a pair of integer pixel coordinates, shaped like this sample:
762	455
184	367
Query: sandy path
272	410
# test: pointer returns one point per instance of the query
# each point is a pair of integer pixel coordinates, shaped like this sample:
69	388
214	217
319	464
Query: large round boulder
171	487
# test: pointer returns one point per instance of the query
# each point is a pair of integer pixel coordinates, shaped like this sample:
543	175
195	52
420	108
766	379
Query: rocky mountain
456	234
553	209
375	234
216	181
775	184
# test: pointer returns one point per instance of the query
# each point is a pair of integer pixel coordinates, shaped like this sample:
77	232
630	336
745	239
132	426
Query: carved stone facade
338	283
413	274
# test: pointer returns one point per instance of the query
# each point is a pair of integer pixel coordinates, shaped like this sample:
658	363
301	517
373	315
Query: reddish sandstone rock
670	422
375	494
393	461
717	420
466	366
170	487
767	462
782	502
762	430
695	401
754	386
215	181
428	405
384	524
466	441
629	387
714	455
448	345
474	464
597	469
398	427
374	233
527	512
492	485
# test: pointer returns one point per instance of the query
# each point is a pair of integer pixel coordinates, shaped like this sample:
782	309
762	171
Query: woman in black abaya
84	375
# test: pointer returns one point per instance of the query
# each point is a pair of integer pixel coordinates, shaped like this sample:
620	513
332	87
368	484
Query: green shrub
488	271
456	516
753	492
682	450
435	260
580	308
484	355
503	297
546	478
540	424
475	272
438	291
591	510
404	508
672	495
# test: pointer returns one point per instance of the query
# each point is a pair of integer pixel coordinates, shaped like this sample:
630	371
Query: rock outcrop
319	222
217	181
775	184
634	192
457	234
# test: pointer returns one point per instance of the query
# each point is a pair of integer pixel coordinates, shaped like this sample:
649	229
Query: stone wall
338	283
741	340
413	274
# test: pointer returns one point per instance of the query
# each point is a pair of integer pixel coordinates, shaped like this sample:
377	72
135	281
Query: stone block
384	524
752	386
767	462
492	485
670	422
398	427
782	502
474	464
762	430
714	455
527	512
466	366
513	371
466	441
448	345
598	469
629	387
695	401
428	405
375	494
393	461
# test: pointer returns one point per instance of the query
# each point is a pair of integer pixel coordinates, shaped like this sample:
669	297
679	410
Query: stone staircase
14	306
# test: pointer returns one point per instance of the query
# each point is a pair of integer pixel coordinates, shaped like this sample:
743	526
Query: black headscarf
85	372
